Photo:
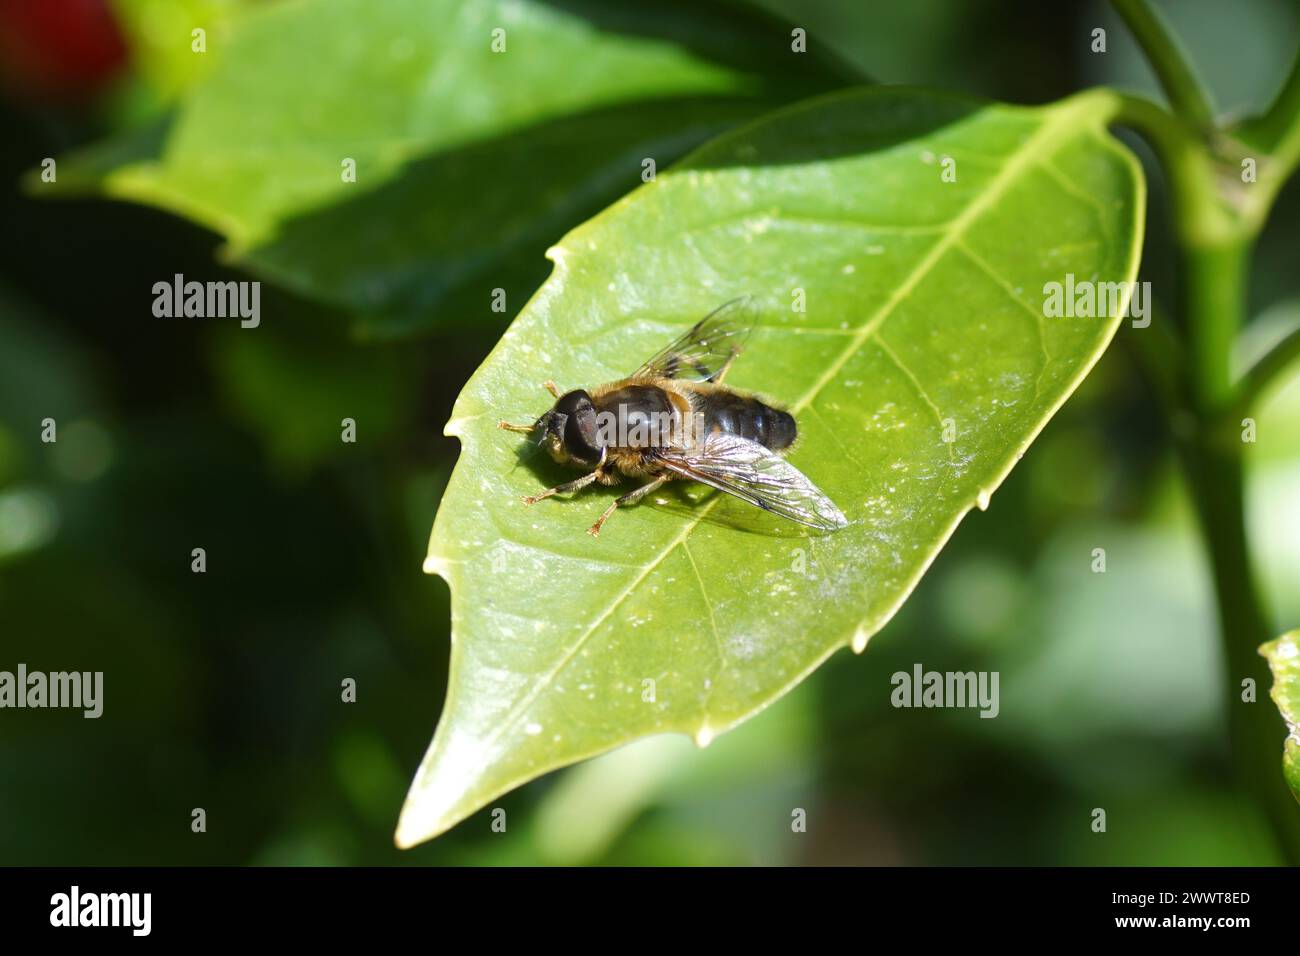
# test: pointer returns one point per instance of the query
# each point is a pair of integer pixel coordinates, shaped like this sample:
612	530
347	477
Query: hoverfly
673	419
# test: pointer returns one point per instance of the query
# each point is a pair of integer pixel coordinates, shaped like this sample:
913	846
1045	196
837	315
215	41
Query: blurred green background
222	689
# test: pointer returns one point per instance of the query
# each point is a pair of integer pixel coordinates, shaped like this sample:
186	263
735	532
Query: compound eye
571	402
580	433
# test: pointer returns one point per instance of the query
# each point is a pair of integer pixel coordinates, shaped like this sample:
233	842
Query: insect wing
702	352
755	474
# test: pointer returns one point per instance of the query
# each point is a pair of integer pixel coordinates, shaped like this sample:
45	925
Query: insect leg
506	426
550	387
631	498
576	485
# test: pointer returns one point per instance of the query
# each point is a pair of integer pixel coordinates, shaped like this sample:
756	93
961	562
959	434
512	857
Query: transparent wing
702	352
752	473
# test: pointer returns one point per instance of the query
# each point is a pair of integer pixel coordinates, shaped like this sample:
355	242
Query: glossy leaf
922	319
1283	657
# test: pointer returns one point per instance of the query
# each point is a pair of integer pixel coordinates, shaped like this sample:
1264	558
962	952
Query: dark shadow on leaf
533	456
693	501
740	35
429	245
899	118
82	170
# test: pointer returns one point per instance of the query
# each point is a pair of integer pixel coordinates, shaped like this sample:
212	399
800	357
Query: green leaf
255	145
464	157
924	311
471	219
1283	657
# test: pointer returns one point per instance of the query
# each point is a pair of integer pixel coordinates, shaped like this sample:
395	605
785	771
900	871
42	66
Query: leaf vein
987	268
1026	156
916	385
713	625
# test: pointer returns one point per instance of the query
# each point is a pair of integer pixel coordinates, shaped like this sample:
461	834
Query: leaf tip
426	813
455	779
415	826
435	564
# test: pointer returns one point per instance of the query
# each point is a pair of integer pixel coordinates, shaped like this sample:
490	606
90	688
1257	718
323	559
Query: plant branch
1213	300
1201	218
1215	228
1216	477
1274	137
1278	125
1187	95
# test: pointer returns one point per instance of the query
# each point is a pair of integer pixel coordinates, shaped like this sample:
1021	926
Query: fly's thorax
640	415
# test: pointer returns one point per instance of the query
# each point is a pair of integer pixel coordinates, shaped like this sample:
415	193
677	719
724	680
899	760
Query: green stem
1186	93
1201	218
1273	140
1215	240
1216	478
1213	284
1277	126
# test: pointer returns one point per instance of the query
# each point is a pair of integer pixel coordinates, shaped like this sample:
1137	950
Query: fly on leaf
674	419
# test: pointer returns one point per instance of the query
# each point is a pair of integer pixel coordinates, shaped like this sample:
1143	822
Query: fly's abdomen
747	417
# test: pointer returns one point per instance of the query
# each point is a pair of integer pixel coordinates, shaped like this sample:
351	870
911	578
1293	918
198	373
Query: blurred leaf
450	221
463	156
255	145
923	41
924	303
160	36
1283	657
